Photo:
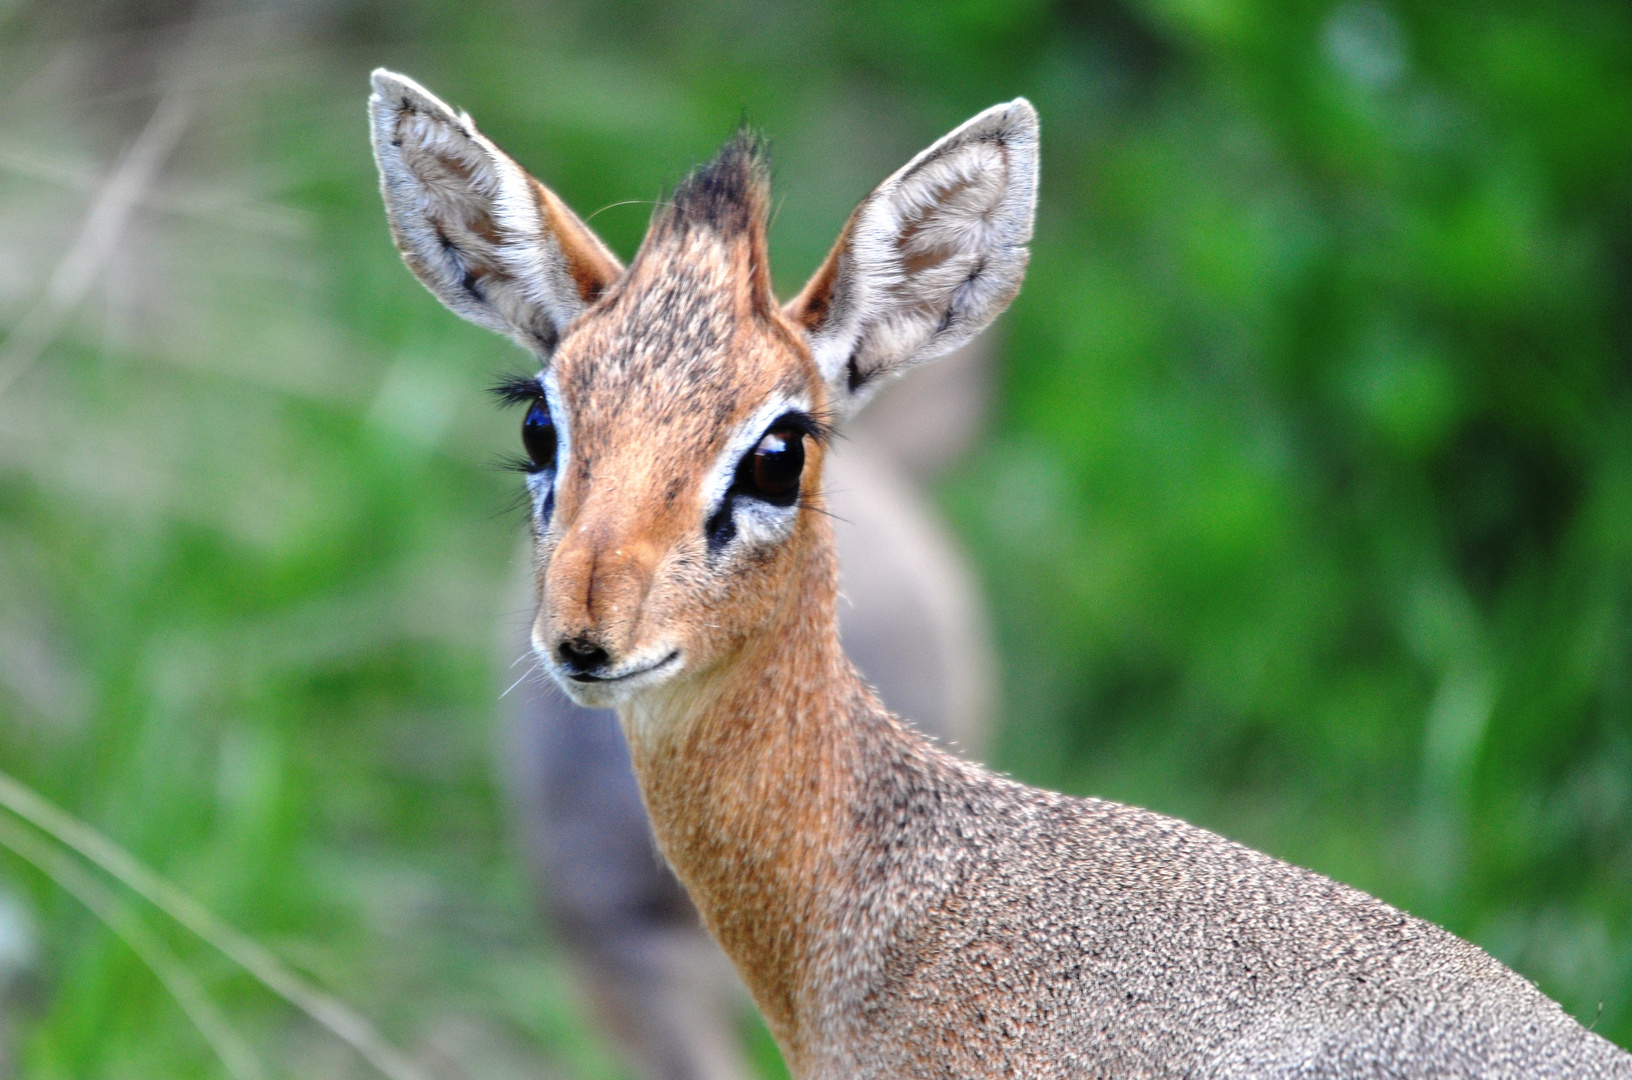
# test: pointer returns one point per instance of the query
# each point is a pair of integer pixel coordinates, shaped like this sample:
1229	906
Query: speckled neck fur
898	912
748	773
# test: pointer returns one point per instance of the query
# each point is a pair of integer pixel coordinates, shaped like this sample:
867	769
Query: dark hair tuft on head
729	194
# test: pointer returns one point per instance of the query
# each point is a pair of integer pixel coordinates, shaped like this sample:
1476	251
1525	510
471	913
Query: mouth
611	680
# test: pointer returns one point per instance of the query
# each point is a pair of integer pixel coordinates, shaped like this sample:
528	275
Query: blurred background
1304	512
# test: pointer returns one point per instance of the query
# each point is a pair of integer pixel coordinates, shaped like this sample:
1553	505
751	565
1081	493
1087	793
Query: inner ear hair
491	242
927	260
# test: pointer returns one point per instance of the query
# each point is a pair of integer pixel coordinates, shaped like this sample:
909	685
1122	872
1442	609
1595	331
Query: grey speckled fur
1008	931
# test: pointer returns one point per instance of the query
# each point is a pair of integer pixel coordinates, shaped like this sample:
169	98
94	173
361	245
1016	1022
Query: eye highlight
538	437
771	472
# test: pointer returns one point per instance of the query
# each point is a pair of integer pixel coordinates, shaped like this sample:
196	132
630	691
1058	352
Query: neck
748	775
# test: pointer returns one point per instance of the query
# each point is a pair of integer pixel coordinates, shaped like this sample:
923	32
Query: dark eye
772	471
538	437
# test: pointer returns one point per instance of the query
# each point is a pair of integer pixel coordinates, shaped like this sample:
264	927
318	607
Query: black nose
580	657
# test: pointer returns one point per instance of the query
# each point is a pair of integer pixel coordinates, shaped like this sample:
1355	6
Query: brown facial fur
655	379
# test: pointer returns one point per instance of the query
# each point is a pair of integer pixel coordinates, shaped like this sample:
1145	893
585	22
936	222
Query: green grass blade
327	1010
236	1056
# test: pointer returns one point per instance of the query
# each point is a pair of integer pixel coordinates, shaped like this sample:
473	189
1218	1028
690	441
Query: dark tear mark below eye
721	527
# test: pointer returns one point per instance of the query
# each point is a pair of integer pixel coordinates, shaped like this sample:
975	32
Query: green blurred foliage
1307	515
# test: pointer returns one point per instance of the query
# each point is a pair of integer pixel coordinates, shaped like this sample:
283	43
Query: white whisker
530	671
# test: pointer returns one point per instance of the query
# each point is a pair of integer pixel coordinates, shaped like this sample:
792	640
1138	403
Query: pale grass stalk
327	1010
236	1056
98	237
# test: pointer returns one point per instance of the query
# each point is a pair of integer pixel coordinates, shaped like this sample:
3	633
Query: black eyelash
514	463
517	390
818	428
807	503
521	498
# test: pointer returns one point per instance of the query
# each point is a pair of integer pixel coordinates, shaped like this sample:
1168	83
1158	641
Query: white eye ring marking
544	483
758	523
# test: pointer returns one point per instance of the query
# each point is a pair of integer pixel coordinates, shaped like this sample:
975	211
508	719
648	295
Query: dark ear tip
391	97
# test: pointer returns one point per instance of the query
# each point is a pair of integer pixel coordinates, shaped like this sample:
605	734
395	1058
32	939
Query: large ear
934	254
491	242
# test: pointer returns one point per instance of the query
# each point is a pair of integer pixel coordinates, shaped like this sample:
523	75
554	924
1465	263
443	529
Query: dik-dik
895	911
912	622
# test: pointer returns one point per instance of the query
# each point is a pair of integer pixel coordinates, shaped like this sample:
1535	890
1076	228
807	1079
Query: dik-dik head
675	434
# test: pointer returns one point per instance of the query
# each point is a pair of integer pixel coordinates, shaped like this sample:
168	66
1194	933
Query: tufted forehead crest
705	251
728	195
679	331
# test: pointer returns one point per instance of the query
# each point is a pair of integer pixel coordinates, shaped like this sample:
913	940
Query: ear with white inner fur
492	243
932	256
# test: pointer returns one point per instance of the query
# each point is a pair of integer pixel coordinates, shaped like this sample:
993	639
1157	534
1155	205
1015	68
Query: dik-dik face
674	446
674	436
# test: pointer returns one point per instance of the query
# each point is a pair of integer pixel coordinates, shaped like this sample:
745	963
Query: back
1035	934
